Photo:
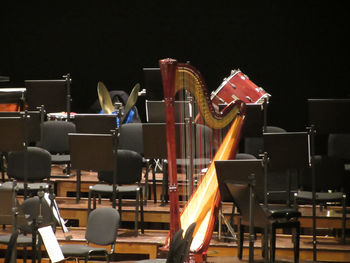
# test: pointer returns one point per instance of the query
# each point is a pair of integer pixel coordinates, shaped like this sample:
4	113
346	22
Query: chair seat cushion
282	212
106	188
155	260
21	240
31	186
80	250
60	158
307	195
103	188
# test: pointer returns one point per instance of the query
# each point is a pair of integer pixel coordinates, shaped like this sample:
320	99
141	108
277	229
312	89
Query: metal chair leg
273	243
89	201
141	208
297	242
240	239
136	228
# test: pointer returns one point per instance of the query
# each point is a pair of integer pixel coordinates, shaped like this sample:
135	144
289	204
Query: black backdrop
294	49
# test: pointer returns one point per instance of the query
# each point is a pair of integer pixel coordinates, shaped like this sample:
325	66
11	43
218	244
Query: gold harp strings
201	205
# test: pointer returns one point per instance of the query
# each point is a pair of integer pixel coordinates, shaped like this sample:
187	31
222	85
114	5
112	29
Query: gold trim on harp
187	78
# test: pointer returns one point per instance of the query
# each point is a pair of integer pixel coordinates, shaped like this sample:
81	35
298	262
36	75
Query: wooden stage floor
157	217
148	245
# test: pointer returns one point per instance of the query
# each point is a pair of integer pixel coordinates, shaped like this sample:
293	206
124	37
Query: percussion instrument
108	107
237	87
104	98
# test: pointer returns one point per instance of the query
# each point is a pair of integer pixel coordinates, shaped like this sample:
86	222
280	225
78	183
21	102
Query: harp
202	206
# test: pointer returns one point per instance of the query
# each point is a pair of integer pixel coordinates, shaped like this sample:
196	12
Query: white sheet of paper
51	244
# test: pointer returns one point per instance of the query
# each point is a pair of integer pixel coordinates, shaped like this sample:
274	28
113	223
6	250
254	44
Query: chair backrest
329	171
131	137
31	207
55	136
339	146
38	164
188	241
129	168
11	247
255	145
244	156
176	248
102	227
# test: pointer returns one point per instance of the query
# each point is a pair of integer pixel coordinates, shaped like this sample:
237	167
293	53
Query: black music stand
254	121
9	212
32	123
4	81
53	94
154	147
152	81
95	123
327	115
155	110
13	137
324	116
249	174
12	134
32	129
286	151
95	152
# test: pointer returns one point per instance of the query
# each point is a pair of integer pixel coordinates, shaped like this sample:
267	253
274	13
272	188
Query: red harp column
168	72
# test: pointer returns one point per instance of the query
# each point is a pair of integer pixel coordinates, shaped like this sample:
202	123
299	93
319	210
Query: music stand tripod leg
78	186
251	217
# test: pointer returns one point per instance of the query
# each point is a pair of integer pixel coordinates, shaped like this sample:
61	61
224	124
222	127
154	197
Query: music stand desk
50	93
155	110
254	121
248	174
7	197
286	151
95	123
329	115
323	117
92	152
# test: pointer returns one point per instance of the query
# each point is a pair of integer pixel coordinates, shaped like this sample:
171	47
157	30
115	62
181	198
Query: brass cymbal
104	98
131	100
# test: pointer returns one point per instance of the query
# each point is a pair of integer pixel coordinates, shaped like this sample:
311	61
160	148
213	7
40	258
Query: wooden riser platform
66	186
156	213
149	245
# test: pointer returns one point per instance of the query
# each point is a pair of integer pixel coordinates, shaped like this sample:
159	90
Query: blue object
127	120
